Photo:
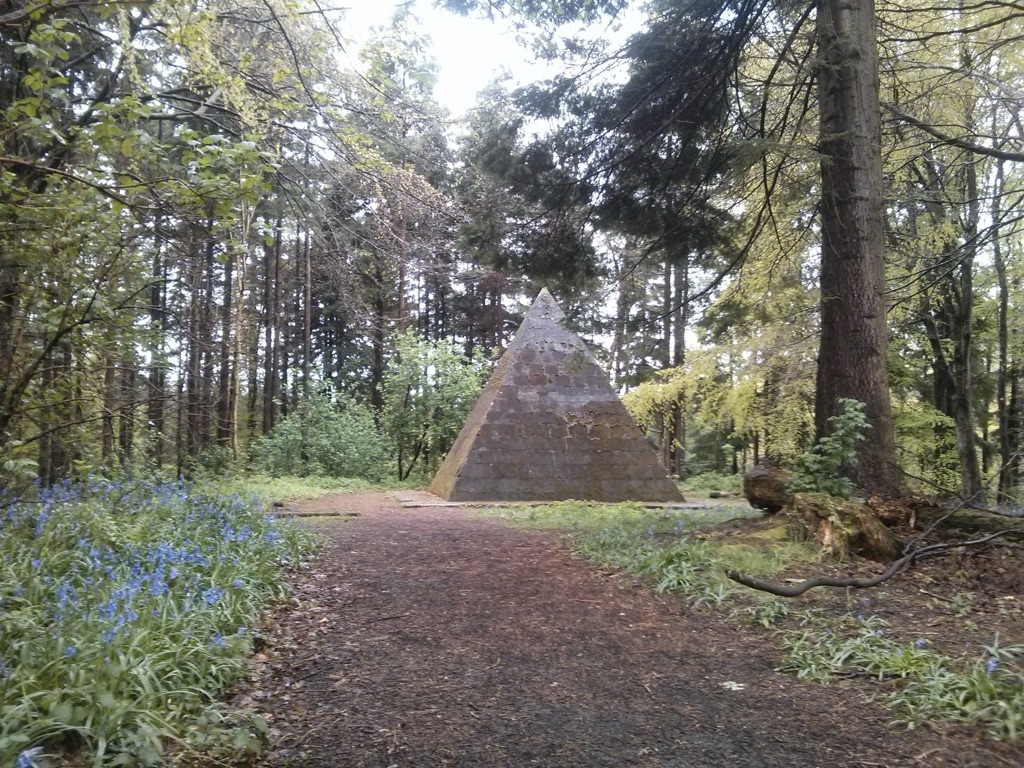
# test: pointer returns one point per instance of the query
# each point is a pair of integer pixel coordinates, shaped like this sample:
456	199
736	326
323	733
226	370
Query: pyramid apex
544	312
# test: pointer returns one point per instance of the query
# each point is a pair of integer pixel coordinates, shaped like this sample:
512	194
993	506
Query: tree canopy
207	223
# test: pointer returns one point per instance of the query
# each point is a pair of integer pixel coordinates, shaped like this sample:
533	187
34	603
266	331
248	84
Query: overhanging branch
969	146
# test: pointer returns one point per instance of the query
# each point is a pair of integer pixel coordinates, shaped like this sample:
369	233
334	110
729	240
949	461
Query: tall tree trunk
195	333
272	335
156	383
126	413
963	344
224	376
852	357
668	421
681	269
378	336
307	313
109	406
234	389
1008	373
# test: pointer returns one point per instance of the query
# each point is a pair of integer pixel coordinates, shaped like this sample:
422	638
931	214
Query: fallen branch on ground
902	563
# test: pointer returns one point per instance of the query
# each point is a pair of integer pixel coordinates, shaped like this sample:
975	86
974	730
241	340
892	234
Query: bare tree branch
969	146
824	581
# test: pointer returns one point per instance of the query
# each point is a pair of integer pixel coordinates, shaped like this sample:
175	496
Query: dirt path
432	637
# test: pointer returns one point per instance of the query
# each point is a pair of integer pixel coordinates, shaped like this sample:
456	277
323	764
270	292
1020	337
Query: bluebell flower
990	666
27	758
919	643
69	650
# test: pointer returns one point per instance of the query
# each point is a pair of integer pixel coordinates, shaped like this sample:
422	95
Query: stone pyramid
548	427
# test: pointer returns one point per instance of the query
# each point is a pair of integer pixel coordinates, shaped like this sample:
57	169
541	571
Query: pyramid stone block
548	426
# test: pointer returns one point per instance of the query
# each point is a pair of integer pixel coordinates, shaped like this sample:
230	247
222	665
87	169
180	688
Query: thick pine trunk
126	413
307	314
854	341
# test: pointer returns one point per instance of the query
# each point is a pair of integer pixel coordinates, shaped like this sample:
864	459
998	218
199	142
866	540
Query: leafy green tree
334	438
429	389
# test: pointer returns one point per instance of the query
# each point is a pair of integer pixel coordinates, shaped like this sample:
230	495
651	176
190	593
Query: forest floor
438	637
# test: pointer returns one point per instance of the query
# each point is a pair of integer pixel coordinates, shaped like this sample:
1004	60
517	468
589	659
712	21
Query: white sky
468	51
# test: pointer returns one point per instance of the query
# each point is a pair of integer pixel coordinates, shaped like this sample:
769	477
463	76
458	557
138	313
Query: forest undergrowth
126	608
918	676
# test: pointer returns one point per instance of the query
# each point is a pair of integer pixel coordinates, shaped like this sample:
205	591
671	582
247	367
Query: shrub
820	469
327	439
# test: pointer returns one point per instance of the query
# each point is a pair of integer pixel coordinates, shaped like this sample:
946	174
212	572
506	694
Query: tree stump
765	488
843	528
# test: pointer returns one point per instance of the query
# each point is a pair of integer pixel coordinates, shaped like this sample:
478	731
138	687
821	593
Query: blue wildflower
27	758
990	666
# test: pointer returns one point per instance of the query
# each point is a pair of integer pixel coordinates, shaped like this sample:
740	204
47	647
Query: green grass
657	544
712	481
290	488
987	691
125	609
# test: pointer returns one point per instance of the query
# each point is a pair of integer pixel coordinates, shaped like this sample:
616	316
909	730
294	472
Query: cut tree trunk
843	528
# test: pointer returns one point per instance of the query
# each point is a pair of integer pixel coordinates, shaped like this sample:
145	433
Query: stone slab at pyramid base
549	427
